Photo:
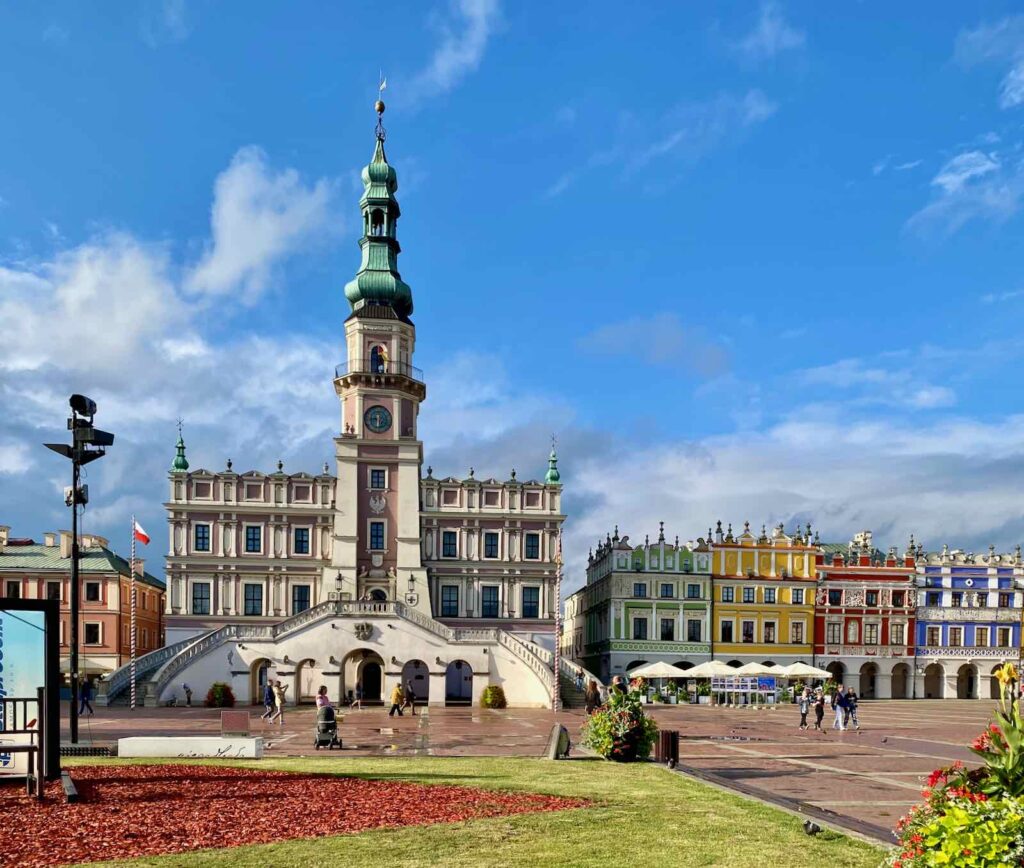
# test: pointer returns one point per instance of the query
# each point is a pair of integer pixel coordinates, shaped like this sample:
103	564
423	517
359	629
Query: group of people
273	701
842	702
402	698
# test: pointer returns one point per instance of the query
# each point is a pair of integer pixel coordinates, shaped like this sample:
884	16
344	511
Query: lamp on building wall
337	582
412	583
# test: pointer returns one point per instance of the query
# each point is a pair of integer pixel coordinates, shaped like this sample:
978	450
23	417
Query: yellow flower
1006	674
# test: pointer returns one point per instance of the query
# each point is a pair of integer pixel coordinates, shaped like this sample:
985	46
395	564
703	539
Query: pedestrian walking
592	698
805	705
188	695
396	700
279	692
321	697
838	703
819	708
85	698
358	701
410	698
268	700
579	679
851	708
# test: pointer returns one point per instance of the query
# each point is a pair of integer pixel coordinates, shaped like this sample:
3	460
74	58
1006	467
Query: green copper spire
378	280
180	463
553	477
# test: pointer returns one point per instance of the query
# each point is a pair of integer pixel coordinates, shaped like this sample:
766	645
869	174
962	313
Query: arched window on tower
379	359
377	222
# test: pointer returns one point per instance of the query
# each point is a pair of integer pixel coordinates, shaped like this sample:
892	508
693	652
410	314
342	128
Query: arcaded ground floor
865	780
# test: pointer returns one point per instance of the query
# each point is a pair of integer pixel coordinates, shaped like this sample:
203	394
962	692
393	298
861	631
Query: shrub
220	695
493	697
619	730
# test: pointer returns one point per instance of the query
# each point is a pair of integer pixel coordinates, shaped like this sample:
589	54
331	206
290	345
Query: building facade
968	621
371	574
865	618
34	571
763	595
641	604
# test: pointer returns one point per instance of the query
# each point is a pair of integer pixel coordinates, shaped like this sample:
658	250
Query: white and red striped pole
556	697
132	641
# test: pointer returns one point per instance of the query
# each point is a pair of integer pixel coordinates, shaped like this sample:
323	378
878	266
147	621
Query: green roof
39	558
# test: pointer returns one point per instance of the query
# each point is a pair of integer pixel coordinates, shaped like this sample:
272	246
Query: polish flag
140	534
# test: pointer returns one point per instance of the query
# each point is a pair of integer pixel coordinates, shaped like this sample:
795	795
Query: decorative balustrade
885	651
987	652
120	679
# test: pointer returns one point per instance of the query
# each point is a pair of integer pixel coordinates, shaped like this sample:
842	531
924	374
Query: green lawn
643	815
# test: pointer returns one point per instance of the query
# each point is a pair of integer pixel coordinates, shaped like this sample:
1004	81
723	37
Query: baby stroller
326	729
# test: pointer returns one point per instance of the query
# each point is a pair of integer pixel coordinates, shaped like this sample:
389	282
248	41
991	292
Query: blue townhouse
968	622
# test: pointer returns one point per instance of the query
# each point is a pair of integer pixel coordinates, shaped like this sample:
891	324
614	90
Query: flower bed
973	817
619	730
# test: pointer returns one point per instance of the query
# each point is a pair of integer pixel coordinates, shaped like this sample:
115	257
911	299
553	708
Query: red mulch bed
150	810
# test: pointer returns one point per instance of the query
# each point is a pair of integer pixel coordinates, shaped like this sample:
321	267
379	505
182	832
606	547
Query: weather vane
180	423
379	106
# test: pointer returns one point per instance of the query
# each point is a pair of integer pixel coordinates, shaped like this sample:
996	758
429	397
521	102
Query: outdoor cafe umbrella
802	670
711	669
659	670
751	669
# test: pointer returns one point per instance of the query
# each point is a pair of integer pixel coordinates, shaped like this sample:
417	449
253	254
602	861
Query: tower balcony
377	372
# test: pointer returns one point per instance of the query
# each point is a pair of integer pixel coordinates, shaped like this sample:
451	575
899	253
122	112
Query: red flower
916	839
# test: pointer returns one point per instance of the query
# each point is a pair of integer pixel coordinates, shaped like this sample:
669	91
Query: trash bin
667	749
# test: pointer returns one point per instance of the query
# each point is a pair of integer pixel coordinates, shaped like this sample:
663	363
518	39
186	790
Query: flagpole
556	696
132	643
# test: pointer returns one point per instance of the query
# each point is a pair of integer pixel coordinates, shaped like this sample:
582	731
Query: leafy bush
976	816
493	697
220	695
657	696
619	730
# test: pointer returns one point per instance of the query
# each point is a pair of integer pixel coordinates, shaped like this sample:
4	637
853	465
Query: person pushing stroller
326	734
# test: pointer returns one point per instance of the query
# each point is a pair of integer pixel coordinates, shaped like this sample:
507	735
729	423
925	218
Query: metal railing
379	367
113	683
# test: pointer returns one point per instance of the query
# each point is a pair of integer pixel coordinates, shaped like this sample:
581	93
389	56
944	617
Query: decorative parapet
979	614
972	652
882	651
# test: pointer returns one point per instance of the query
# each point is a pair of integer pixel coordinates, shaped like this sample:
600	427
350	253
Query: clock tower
376	552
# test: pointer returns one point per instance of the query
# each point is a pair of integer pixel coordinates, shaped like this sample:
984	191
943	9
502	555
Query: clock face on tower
378	419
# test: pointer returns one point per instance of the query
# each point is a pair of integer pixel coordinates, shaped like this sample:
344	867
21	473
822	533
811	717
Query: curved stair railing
113	684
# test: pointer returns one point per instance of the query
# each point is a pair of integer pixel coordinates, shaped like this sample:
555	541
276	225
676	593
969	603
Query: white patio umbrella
711	669
752	668
803	670
659	670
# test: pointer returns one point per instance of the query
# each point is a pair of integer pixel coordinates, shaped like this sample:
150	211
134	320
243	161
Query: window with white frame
531	602
300	541
378	478
981	637
797	596
532	546
201	537
377	536
933	636
833	633
200	598
449	544
93	633
871	633
252	600
956	637
449	601
796	632
639	628
92	592
769	595
897	634
253	539
769	632
491	544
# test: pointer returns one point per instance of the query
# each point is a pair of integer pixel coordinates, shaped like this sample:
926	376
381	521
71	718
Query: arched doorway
735	664
371	676
362	668
993	682
458	683
967	682
683	664
306	684
868	684
259	674
415	672
636	664
900	675
838	671
933	678
378	596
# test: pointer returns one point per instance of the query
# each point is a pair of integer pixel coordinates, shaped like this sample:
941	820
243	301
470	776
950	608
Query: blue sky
750	261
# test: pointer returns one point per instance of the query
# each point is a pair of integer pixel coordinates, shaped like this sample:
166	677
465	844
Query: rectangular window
1004	637
933	637
956	636
769	632
933	598
726	630
639	589
253	538
981	637
639	628
491	498
796	632
957	599
301	541
377	536
449	544
13	590
668	630
53	591
748	631
201	598
378	478
92	633
300	598
253	491
533	546
693	631
728	594
490	545
749	595
1005	600
769	595
449	601
797	596
666	590
833	633
693	592
899	599
489	601
870	634
835	598
871	597
531	602
92	592
201	543
983	599
253	600
897	636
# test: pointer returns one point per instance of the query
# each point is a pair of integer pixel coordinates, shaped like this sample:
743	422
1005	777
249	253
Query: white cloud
963	168
910	164
771	36
14	457
881	165
164	21
461	49
258	218
895	381
1002	42
996	297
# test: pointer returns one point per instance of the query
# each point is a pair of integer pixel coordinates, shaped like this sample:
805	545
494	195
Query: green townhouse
641	604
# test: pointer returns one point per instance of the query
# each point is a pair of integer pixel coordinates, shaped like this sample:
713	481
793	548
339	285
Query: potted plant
704	692
619	730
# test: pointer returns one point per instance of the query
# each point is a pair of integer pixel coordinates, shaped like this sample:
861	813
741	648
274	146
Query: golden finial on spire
378	106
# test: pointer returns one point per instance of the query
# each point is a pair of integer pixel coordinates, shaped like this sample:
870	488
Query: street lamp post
87	444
